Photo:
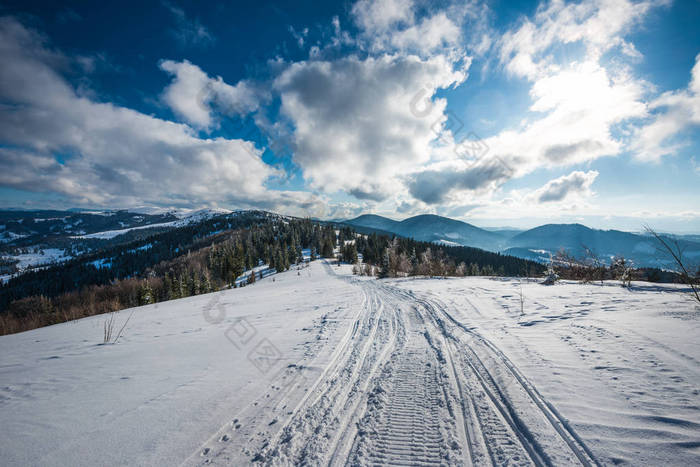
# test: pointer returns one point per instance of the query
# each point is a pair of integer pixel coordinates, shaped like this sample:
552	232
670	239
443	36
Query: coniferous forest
223	252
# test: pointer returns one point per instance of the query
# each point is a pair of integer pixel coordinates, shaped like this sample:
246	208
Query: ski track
407	384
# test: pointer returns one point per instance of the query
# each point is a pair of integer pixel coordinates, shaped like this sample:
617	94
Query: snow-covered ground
40	257
323	367
621	367
191	218
109	234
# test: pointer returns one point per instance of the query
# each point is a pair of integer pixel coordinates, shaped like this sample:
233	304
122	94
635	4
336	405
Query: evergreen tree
384	267
327	248
145	293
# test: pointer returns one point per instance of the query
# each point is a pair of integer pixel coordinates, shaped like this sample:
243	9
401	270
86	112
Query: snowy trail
517	400
517	425
407	385
367	372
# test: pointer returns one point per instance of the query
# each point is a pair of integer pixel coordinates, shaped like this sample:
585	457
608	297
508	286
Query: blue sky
497	113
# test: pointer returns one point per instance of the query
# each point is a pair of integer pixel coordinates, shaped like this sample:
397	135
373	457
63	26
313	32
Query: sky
498	113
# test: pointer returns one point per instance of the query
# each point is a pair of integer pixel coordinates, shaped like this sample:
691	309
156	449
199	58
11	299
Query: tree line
221	254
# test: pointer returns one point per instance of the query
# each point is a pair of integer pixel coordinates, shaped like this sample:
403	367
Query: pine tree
327	248
206	284
145	293
384	267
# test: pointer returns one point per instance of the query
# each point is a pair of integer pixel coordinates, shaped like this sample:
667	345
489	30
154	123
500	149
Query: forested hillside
214	254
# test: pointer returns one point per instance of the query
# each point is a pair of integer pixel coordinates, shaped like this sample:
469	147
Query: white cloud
376	17
446	182
575	184
577	108
598	25
299	36
395	26
354	128
566	128
195	97
113	155
581	104
675	111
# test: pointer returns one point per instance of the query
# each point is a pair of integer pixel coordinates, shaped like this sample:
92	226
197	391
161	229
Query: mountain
373	221
30	239
537	243
643	250
28	228
432	228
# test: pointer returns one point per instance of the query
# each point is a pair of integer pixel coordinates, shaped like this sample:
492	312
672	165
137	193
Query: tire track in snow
409	418
531	433
410	385
501	440
409	433
314	432
233	441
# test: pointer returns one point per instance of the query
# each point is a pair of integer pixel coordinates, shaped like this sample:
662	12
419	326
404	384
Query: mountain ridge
537	243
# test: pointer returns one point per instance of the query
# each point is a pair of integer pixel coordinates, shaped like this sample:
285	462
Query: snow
180	371
203	214
10	236
322	367
622	366
45	256
263	269
109	234
102	263
145	247
192	218
447	243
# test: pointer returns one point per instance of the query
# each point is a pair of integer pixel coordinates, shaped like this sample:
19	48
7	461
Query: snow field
321	367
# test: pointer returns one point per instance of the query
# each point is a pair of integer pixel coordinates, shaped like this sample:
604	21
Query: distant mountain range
32	227
536	244
432	228
70	233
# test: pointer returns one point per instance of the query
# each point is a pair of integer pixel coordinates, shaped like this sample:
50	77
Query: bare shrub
109	326
674	249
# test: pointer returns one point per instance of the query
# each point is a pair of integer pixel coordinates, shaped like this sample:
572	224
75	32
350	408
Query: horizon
488	113
640	230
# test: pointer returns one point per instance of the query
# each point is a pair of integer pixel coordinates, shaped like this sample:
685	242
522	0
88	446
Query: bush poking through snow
622	270
109	326
550	277
108	329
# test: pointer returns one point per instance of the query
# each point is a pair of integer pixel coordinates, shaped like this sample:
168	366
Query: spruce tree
384	267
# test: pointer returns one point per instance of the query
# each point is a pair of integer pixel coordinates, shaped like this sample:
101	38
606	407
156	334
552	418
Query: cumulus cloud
576	126
565	128
394	25
433	186
675	111
576	183
599	25
575	106
112	155
196	98
355	122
